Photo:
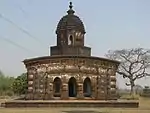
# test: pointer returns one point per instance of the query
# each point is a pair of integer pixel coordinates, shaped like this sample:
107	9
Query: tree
134	63
5	84
1	73
19	85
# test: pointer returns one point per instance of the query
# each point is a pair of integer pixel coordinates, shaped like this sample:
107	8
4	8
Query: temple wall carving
41	76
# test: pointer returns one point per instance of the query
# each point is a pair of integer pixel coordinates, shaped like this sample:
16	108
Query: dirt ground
143	108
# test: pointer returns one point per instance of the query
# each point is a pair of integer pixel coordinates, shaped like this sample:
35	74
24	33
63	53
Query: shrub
9	93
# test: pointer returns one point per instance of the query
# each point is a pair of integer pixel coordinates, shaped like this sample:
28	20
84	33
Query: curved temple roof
70	21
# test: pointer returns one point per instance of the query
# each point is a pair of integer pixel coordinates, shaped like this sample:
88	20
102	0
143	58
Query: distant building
146	91
70	72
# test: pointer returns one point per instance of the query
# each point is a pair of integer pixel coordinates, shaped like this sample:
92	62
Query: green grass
130	97
143	108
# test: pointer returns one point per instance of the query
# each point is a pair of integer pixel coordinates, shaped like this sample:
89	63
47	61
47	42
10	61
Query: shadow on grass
81	111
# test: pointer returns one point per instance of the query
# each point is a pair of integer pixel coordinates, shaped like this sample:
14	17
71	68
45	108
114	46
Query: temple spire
70	11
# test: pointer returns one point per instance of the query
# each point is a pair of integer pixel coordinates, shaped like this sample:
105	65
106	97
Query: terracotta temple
70	72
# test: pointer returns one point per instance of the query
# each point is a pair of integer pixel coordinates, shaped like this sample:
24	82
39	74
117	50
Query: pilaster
93	88
80	91
64	94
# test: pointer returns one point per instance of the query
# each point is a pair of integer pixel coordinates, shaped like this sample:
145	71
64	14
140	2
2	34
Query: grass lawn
144	108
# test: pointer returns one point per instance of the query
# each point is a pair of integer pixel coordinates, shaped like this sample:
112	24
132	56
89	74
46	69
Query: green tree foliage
5	84
19	85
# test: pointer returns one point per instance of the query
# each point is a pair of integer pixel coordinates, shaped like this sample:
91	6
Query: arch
70	40
72	87
57	87
87	90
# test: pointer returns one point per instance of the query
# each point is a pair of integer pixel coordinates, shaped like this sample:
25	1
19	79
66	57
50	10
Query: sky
27	28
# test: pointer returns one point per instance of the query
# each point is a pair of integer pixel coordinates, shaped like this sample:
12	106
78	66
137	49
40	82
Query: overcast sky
27	28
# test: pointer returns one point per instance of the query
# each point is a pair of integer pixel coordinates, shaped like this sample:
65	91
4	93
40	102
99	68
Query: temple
70	72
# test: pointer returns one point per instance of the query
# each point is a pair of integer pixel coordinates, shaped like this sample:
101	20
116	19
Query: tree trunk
131	90
132	85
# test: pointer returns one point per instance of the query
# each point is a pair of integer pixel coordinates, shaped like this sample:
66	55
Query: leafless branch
135	63
123	74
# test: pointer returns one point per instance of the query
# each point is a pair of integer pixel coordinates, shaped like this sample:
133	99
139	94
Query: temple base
70	103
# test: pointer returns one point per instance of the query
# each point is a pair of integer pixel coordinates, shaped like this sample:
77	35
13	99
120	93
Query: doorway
72	87
57	87
87	87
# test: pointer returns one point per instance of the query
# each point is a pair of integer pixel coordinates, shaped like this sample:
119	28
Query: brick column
64	91
36	87
29	93
100	87
113	94
64	88
50	88
80	91
50	92
93	88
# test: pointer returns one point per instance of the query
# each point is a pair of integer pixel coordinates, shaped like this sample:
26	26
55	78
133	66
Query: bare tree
134	63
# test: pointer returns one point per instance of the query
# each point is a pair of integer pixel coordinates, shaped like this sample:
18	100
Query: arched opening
70	40
87	87
57	87
72	87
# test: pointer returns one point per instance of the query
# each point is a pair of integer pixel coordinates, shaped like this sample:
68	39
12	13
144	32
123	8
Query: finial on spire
70	11
70	6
